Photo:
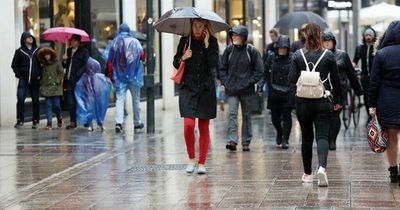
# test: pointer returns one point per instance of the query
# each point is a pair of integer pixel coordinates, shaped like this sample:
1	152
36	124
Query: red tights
204	140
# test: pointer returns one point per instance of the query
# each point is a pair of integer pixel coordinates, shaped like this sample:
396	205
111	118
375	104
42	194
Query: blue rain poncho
125	57
92	94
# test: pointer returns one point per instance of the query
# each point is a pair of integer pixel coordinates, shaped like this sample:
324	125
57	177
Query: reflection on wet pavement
63	169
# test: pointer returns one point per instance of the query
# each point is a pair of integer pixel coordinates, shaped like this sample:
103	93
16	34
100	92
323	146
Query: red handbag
377	137
177	74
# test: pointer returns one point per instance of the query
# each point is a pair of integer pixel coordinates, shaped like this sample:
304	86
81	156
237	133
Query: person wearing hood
51	84
127	69
74	60
346	73
28	70
197	95
92	95
281	95
241	68
365	53
384	93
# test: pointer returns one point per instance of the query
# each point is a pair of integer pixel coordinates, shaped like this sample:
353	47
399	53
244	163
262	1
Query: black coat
327	65
237	72
25	63
384	91
361	53
281	94
197	97
78	66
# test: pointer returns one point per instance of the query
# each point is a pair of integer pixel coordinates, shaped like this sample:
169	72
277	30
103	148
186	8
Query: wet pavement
63	169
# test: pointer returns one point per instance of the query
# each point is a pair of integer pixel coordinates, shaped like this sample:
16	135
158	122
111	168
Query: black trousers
314	113
282	121
335	124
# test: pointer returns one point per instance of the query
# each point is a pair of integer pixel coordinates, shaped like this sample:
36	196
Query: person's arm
60	73
258	67
335	81
179	52
15	64
224	66
351	75
357	55
212	57
375	81
294	72
82	68
267	71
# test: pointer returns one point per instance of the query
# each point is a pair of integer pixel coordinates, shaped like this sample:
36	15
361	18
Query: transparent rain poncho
125	57
92	94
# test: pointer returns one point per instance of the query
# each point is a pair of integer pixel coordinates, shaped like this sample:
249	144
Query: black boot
285	144
394	174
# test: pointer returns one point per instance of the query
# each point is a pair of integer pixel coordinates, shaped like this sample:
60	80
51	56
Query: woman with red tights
197	97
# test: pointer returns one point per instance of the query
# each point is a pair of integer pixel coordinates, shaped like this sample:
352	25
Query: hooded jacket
241	66
345	67
53	74
25	64
361	53
384	90
124	55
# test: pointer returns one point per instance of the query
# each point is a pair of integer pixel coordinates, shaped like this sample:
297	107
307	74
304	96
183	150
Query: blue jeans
53	103
232	134
119	104
23	87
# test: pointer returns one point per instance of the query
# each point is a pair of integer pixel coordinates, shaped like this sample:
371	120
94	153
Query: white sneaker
307	178
322	178
190	168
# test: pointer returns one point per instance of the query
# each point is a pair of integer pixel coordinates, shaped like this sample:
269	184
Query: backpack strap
305	60
248	47
320	58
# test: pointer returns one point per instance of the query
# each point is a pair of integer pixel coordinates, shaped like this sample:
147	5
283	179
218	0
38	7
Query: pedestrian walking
314	106
92	94
384	92
281	94
241	68
346	73
51	84
301	42
28	71
127	74
74	60
365	53
197	97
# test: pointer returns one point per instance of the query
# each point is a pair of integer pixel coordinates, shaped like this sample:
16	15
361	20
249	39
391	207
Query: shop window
220	8
254	23
64	13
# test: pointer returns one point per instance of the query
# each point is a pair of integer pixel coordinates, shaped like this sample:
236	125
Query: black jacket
197	97
25	63
237	72
78	66
346	72
384	90
361	53
280	94
327	65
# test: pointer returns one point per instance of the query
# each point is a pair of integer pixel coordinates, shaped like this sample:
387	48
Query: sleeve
357	55
179	52
60	73
212	57
375	80
15	64
267	70
82	68
258	66
294	72
224	65
335	81
351	75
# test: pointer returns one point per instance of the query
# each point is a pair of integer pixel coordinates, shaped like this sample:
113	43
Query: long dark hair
313	36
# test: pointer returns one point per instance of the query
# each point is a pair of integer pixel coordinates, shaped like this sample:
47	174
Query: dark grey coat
197	98
384	91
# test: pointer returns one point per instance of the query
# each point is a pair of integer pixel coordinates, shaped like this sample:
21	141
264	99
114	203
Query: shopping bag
377	137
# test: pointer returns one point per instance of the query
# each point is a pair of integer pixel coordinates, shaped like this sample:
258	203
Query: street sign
339	5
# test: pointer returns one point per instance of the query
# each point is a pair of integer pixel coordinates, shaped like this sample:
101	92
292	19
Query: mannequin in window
71	14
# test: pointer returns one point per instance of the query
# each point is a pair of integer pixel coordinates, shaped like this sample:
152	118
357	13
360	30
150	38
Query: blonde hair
206	24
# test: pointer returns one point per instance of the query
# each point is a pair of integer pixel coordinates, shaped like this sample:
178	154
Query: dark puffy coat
384	91
197	97
327	65
78	66
25	64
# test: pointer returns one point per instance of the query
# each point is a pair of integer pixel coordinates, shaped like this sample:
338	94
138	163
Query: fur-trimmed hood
46	50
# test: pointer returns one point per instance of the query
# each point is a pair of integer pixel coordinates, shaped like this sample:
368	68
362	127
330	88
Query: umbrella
63	34
379	13
297	19
177	20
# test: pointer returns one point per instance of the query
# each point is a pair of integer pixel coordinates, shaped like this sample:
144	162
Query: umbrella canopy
379	13
177	20
63	34
297	19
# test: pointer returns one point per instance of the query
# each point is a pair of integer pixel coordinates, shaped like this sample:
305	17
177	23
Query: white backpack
309	84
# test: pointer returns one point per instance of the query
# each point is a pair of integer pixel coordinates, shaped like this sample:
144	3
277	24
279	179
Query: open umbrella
63	34
297	19
177	20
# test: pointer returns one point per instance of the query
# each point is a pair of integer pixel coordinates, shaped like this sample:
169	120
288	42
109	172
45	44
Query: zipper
30	63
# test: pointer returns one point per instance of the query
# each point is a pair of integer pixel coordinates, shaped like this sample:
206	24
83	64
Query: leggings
204	140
